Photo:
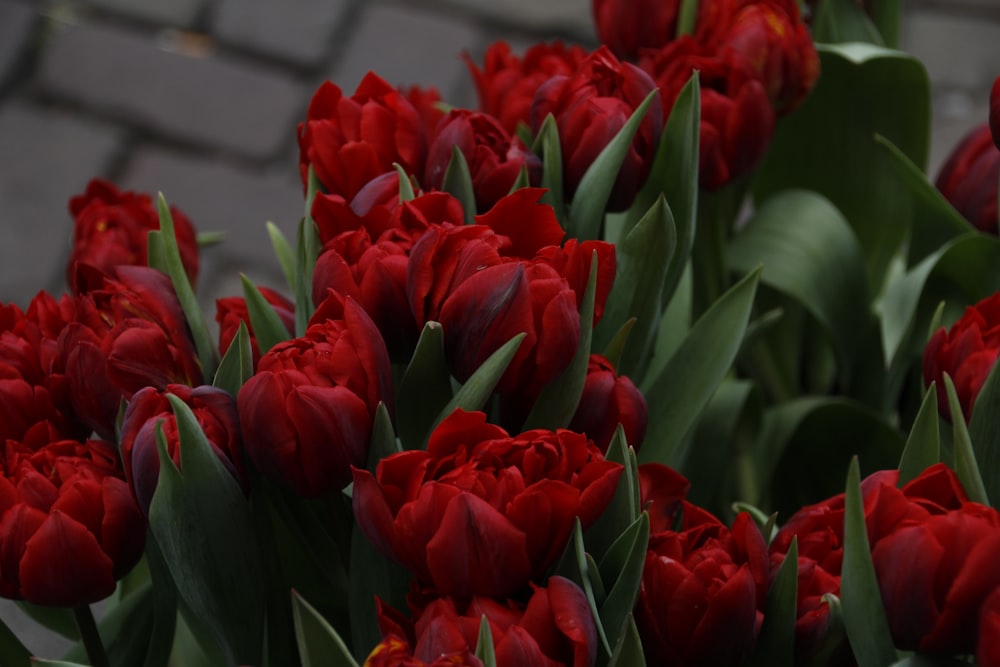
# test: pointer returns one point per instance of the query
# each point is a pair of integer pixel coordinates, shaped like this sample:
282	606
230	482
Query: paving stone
957	50
219	197
185	95
408	46
47	158
299	31
16	22
535	15
178	13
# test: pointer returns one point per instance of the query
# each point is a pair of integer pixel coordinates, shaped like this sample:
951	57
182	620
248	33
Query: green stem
91	637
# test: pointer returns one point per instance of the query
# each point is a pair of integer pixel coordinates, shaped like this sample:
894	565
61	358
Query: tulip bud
969	179
628	26
608	400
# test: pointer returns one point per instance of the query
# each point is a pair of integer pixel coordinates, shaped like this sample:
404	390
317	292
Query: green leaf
522	180
864	615
934	221
484	644
547	146
674	327
690	377
844	21
307	249
268	328
57	619
156	259
182	287
864	90
624	507
643	258
965	458
687	17
283	251
319	643
211	568
923	447
125	631
573	565
930	660
628	647
477	390
12	651
984	429
39	662
887	16
406	192
424	389
802	240
160	639
616	346
458	183
586	211
556	405
776	642
372	574
623	565
383	441
236	366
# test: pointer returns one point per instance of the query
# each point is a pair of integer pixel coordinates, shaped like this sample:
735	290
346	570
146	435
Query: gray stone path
200	98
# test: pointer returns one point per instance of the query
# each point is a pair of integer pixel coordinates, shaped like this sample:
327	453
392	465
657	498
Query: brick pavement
199	99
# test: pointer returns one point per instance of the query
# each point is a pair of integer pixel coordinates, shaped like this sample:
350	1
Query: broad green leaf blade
383	442
458	183
643	258
155	257
307	249
689	379
984	429
586	211
616	346
319	644
161	638
268	328
802	240
210	568
12	651
864	615
125	631
283	251
58	619
623	509
923	446
549	148
863	90
406	192
623	566
484	644
477	390
628	647
776	642
573	565
425	388
182	288
556	405
844	21
934	221
965	458
674	326
236	366
887	16
371	574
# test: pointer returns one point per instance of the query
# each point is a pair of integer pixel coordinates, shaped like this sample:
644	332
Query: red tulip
348	141
627	26
69	526
969	179
590	107
995	112
231	311
215	411
988	649
662	491
481	512
307	414
110	229
608	400
506	84
967	352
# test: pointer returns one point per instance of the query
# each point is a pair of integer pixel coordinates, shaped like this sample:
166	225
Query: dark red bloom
215	411
590	107
608	400
737	120
128	332
495	159
969	179
348	141
394	651
481	512
231	311
507	83
988	650
426	101
629	26
662	491
307	414
554	627
967	352
69	526
995	112
110	227
702	592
